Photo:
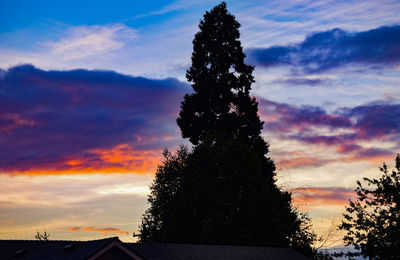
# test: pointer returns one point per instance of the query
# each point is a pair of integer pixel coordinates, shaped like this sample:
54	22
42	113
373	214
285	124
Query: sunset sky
90	91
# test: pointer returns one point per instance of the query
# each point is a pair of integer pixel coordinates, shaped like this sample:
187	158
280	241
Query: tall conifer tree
223	191
221	103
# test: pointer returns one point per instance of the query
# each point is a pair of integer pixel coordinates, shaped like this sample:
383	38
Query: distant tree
223	191
42	236
372	222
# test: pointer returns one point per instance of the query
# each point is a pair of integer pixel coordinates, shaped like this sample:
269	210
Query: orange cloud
10	222
119	159
74	229
103	231
122	158
377	159
316	196
302	162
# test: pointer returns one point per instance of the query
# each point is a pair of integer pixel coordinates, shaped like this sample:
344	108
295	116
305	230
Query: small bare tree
331	236
42	236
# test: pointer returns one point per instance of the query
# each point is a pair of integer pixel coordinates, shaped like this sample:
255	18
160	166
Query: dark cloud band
61	119
322	51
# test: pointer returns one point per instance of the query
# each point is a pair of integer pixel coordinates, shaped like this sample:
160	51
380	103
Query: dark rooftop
58	249
194	252
52	249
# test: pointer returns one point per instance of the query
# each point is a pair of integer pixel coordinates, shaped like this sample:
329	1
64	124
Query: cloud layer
85	121
103	231
82	121
318	196
322	51
352	132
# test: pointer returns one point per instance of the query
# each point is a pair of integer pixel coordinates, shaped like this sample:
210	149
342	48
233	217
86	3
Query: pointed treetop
221	81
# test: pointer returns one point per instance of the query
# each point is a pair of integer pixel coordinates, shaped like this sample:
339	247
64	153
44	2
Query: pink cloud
319	196
103	231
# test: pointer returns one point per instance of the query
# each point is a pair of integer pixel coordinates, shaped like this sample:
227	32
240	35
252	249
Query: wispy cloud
298	81
103	231
178	5
302	162
82	41
142	191
281	22
322	196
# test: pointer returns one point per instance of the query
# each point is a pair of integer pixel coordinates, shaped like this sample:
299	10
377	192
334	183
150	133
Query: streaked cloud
81	41
281	116
300	162
296	81
276	23
9	122
322	196
58	202
178	5
125	189
353	132
103	231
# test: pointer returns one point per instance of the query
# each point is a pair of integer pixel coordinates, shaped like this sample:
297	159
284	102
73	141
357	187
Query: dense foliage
223	191
221	102
218	194
372	222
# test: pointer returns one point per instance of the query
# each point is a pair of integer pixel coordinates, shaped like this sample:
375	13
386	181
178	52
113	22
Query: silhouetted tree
155	225
42	236
223	191
218	194
221	102
372	222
